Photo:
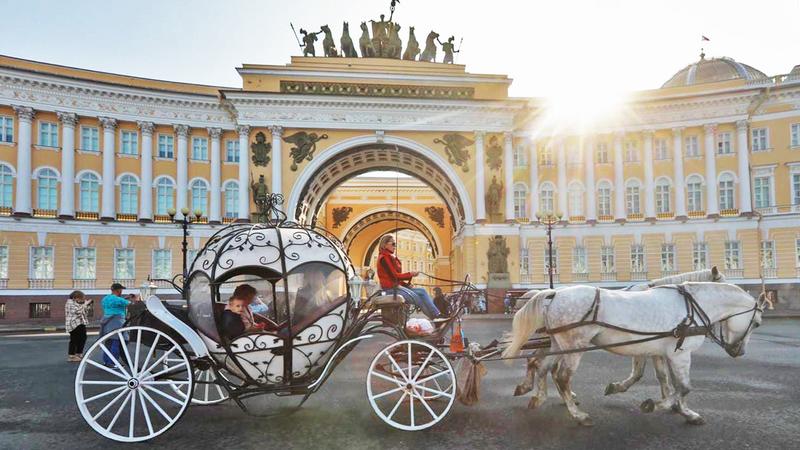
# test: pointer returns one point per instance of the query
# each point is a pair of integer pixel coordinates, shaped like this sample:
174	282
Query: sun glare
582	109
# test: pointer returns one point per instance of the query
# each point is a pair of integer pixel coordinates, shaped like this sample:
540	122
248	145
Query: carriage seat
393	305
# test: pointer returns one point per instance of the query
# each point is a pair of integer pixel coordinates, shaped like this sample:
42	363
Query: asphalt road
749	402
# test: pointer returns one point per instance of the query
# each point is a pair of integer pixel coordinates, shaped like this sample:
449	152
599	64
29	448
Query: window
546	156
124	264
130	143
48	134
699	255
6	186
231	199
90	193
602	153
726	192
694	193
200	149
797	252
200	196
4	262
760	139
128	194
48	189
191	254
166	147
524	261
575	199
668	258
795	188
795	135
232	151
519	156
632	198
604	198
546	201
6	129
724	144
768	254
732	255
39	310
162	263
85	265
637	258
631	152
164	196
692	147
661	151
42	263
547	260
579	260
2	310
90	140
520	193
607	259
663	196
763	191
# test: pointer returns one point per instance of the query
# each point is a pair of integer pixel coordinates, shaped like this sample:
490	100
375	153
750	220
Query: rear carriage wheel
207	389
123	389
411	385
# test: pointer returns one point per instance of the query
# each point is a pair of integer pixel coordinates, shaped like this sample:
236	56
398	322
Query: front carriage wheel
123	389
411	385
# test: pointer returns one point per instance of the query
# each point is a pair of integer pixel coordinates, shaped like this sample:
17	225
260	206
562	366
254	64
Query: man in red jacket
391	276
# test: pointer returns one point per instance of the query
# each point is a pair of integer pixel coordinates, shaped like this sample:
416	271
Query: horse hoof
696	421
586	422
648	406
613	388
675	409
535	403
521	390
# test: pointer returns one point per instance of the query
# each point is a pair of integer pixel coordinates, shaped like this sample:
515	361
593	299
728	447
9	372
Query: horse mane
697	275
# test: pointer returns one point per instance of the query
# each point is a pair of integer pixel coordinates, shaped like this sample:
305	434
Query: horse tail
527	320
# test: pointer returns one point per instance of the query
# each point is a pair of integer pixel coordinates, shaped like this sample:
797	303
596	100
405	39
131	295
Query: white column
533	179
588	167
508	169
215	214
182	132
561	175
244	176
480	178
108	209
146	187
67	204
649	182
679	178
619	178
23	194
712	203
277	159
743	156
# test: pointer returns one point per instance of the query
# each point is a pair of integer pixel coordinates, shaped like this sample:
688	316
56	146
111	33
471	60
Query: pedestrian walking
76	312
115	308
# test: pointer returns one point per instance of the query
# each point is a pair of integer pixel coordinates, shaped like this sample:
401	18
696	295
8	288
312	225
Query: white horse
659	310
638	362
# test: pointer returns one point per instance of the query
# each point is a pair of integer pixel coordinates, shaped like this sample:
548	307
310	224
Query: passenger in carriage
313	295
237	318
391	277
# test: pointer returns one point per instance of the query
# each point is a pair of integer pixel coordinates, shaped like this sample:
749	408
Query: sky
547	48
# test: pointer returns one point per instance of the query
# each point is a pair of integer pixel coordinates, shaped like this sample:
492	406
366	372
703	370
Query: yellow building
702	171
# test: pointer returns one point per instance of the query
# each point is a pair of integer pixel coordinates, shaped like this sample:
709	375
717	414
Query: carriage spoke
219	390
162	358
145	411
205	397
411	407
389	392
132	415
397	405
436	375
136	352
167	370
425	404
124	344
155	405
109	405
169	382
410	355
393	380
114	358
107	369
104	383
119	411
434	391
150	352
396	366
422	367
165	395
104	394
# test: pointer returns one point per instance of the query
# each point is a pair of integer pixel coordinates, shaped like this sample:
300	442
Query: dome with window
713	70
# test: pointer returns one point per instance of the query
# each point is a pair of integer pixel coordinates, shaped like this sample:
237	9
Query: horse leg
667	401
527	384
679	366
566	368
540	396
554	374
636	374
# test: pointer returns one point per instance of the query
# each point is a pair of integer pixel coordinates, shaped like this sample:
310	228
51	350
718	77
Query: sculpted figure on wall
308	42
493	196
261	150
348	50
304	146
497	255
455	147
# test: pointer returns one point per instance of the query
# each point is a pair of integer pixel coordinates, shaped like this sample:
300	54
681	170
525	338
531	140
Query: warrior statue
497	255
429	54
448	48
260	196
493	195
308	40
348	50
412	48
365	43
380	36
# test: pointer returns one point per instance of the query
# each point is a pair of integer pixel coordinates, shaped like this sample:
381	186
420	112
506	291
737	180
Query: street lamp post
184	223
549	219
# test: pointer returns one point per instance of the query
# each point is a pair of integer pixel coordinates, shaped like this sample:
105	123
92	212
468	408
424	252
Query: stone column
743	157
508	169
244	176
22	206
182	159
108	210
67	204
712	203
533	179
561	164
649	182
591	194
214	212
619	179
480	178
679	179
146	185
277	159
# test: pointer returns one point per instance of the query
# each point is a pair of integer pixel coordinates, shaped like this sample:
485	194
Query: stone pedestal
496	288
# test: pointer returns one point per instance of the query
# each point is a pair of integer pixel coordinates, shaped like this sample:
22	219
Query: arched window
663	188
128	195
604	198
48	189
89	192
575	199
231	199
632	197
546	198
165	199
6	186
694	193
200	196
726	191
520	193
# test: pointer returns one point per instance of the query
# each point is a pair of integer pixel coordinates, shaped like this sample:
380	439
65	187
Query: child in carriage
237	319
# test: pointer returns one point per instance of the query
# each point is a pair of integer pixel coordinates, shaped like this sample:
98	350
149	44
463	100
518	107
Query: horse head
325	29
432	35
345	27
739	313
364	26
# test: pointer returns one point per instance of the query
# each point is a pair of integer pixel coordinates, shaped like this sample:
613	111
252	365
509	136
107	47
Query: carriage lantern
147	289
356	284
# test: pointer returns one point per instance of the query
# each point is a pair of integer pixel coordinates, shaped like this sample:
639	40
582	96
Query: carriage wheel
124	391
411	385
207	390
